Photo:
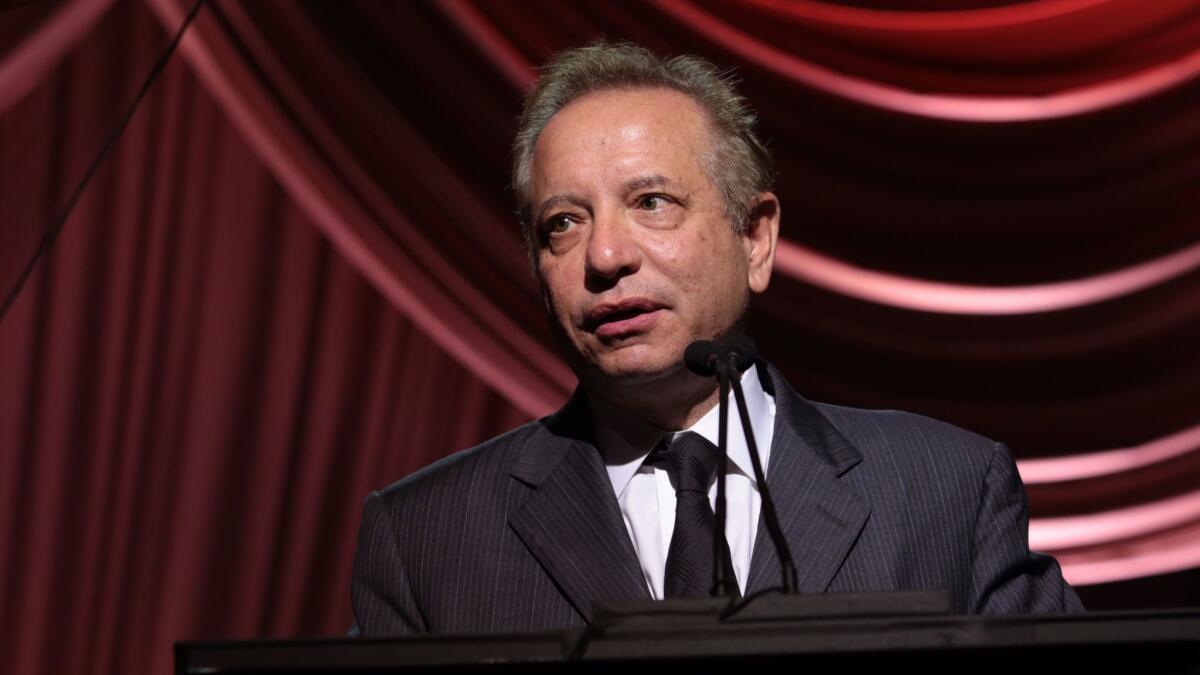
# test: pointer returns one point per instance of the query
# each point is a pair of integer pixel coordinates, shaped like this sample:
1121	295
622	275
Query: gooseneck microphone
703	357
727	360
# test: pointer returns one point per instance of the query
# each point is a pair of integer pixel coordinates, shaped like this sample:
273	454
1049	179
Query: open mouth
623	318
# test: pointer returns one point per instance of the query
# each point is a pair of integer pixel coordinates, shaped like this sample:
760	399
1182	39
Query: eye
557	225
651	202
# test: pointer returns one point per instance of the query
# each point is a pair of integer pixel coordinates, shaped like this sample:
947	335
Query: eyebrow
643	182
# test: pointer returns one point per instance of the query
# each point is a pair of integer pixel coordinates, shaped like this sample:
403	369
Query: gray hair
739	164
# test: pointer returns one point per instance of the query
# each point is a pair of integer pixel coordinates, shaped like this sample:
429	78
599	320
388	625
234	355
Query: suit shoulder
910	433
481	464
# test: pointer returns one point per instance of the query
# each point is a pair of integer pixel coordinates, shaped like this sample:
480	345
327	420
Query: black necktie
691	462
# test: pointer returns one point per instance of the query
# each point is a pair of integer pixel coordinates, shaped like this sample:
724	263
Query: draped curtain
297	277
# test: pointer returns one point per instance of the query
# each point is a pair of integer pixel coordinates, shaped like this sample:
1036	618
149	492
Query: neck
642	414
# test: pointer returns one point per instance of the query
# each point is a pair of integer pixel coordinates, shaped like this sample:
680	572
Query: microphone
726	360
743	349
703	356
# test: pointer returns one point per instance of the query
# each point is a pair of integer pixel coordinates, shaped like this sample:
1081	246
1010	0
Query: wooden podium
884	633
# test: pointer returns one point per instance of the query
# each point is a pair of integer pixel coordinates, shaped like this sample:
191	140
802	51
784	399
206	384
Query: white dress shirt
647	498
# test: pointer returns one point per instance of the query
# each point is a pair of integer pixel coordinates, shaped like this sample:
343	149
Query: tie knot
689	459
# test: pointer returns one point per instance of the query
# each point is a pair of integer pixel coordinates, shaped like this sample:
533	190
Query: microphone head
701	357
744	349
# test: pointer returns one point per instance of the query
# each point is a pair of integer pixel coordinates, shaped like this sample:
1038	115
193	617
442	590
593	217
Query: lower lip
626	327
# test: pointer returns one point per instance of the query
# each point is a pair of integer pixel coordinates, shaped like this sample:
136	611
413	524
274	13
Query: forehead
617	126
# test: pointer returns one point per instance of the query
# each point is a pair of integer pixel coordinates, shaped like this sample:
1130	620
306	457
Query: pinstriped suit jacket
523	532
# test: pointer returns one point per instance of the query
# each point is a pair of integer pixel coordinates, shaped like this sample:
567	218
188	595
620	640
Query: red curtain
298	278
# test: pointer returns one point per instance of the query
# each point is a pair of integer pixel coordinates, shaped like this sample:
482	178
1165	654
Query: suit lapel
571	521
820	517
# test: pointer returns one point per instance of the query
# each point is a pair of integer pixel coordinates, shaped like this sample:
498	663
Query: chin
634	366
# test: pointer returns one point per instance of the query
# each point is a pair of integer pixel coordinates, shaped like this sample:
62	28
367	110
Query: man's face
634	251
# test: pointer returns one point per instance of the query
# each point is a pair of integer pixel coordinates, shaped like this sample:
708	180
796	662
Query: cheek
701	282
557	282
687	271
722	276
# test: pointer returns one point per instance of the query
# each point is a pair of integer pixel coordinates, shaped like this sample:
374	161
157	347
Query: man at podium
646	199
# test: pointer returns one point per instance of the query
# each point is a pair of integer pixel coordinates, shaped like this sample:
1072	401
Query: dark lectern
896	632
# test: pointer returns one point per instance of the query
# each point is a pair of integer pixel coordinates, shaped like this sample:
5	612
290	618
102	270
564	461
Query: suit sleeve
1006	576
380	589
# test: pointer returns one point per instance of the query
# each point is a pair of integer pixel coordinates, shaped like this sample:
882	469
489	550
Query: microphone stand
787	565
723	582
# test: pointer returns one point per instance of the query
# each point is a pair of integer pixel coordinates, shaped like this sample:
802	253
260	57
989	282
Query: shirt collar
760	408
623	461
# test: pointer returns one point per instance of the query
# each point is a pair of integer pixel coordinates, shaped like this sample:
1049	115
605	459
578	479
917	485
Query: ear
759	239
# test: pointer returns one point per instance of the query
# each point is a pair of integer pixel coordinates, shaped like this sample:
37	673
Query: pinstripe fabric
523	532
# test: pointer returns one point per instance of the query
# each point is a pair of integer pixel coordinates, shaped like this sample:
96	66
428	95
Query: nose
612	252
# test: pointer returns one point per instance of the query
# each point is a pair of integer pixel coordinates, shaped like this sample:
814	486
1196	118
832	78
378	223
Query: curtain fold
385	245
198	391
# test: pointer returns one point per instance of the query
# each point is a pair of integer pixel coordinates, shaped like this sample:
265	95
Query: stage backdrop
297	278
